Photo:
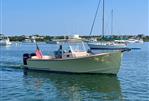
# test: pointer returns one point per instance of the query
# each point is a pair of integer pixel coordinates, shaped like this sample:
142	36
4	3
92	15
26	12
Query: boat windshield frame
73	46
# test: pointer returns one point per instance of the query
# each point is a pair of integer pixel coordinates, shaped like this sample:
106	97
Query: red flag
39	54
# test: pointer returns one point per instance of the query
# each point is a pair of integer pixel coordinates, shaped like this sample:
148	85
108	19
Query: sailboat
104	44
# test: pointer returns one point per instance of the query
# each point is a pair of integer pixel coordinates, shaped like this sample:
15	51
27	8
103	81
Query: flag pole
37	46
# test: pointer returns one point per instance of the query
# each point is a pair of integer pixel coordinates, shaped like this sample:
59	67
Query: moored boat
4	41
52	42
107	45
135	41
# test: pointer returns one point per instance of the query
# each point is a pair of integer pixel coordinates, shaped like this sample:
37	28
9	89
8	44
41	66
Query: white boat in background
140	41
135	41
121	41
131	41
30	40
33	39
76	36
107	45
56	41
4	41
73	57
52	42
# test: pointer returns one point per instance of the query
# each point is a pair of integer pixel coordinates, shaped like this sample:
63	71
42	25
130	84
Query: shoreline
45	38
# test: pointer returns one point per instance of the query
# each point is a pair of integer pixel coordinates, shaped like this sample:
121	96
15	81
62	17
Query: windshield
74	47
77	47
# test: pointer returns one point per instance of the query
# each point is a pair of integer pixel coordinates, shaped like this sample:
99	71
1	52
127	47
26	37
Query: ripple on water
131	83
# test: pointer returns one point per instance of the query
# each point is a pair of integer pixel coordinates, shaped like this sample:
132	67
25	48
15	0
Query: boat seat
44	57
80	54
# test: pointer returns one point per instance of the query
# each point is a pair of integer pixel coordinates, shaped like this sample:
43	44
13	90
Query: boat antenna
103	14
95	17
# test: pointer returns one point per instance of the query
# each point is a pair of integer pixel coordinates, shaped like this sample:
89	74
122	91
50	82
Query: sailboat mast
95	17
103	19
111	21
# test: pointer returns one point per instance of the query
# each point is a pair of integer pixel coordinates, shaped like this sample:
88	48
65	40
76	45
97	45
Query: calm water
132	82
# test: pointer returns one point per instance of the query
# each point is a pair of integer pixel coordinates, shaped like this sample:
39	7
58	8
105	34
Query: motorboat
30	40
4	41
135	41
73	57
52	42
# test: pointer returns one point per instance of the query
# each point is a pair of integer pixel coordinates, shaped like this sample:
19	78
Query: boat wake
10	65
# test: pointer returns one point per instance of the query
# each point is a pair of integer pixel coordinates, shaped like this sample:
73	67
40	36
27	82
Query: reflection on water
72	87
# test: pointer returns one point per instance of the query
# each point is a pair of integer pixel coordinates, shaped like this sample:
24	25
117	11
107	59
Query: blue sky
65	17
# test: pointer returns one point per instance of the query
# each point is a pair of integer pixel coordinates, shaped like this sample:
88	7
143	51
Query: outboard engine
32	54
25	57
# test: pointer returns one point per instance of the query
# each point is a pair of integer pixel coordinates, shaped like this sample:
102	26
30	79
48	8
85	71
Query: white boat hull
104	46
4	43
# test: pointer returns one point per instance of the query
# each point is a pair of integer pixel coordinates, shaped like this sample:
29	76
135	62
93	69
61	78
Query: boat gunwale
54	59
